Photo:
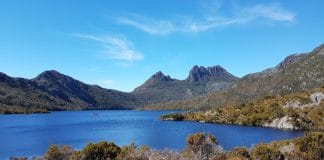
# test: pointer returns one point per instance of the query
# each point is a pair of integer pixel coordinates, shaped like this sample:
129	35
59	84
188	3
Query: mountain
52	90
297	72
215	74
203	88
201	80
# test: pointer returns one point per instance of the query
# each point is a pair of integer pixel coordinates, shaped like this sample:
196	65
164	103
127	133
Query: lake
28	135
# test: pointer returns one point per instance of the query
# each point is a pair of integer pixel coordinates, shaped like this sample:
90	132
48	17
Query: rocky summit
215	73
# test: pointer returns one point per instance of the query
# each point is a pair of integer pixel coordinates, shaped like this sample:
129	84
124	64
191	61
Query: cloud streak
241	15
115	47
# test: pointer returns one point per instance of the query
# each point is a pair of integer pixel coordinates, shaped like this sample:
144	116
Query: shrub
266	152
125	151
101	151
238	153
174	117
201	147
311	146
55	152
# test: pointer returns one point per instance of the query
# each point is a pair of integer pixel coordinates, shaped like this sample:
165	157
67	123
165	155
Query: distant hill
297	72
52	90
201	80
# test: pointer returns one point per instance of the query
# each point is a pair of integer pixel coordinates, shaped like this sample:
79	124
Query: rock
215	73
159	76
290	59
293	104
317	97
281	123
287	148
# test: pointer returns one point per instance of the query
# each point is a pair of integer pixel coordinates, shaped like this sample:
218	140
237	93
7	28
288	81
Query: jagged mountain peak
156	79
214	73
160	76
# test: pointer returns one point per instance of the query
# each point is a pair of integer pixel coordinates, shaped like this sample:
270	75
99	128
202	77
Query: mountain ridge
205	87
295	73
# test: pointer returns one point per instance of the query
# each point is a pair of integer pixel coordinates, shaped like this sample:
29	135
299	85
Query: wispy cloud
273	12
116	48
148	25
211	20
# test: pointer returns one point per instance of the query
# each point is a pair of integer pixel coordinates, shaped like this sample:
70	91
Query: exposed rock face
282	123
293	104
215	73
287	148
317	97
291	59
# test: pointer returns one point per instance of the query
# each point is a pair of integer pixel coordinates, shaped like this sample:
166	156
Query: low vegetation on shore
198	147
300	111
21	110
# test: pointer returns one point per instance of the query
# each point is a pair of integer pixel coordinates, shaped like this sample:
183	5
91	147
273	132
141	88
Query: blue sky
119	44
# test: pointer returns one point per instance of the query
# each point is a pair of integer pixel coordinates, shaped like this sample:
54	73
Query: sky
119	44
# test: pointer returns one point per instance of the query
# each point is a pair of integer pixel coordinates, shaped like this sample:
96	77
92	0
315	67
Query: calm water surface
27	135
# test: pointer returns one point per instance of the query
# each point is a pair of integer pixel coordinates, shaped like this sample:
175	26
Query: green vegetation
266	152
173	117
21	110
198	147
264	111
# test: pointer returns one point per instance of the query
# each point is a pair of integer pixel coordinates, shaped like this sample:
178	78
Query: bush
101	151
266	152
174	117
55	152
238	153
201	147
311	146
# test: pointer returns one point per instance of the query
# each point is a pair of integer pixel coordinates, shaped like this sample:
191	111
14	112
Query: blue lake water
28	135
